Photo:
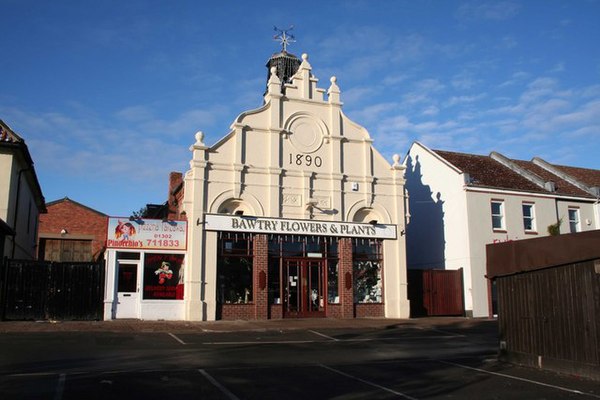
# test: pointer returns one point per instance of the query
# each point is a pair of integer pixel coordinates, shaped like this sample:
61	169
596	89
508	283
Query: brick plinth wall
232	312
334	311
345	280
275	311
375	310
261	268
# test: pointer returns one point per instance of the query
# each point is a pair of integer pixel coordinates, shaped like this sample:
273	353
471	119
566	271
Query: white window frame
575	223
530	218
500	215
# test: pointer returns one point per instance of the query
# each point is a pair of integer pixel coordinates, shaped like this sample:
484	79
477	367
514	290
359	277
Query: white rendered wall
6	183
25	213
438	234
482	233
587	215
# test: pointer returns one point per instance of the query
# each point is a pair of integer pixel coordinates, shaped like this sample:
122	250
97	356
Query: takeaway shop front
145	264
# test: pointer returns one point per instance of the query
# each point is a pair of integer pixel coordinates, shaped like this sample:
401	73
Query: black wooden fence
41	290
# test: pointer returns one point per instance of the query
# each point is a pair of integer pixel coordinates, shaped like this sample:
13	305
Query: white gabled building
293	213
461	202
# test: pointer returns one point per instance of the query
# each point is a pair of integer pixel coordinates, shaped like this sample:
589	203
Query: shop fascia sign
234	223
130	233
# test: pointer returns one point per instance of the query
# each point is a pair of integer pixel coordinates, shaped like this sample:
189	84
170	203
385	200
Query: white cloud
458	100
372	113
487	10
508	42
515	79
430	111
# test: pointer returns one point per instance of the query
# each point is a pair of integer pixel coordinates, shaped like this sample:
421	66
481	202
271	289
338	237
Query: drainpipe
14	244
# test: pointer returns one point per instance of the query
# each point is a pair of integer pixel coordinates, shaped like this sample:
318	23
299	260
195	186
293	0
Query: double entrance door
304	288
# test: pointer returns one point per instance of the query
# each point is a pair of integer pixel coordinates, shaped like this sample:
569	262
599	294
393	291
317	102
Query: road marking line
368	382
449	333
222	388
323	335
60	387
176	338
333	339
520	379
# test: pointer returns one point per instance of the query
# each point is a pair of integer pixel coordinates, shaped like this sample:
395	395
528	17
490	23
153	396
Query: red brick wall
175	195
345	281
334	311
77	219
261	267
232	312
375	310
275	311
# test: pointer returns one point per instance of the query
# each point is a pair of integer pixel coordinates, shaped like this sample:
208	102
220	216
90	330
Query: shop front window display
367	282
235	280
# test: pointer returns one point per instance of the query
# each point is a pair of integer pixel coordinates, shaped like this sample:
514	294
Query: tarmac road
316	359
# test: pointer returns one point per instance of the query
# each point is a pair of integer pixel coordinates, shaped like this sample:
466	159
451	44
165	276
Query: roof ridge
66	198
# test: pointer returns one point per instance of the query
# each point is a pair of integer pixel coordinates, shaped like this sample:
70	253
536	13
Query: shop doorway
304	288
127	289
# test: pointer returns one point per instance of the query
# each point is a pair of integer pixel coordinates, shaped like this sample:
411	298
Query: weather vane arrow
284	36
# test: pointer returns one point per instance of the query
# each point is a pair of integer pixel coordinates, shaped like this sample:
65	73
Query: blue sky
109	94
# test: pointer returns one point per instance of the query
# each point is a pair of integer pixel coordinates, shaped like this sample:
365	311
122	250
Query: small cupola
286	64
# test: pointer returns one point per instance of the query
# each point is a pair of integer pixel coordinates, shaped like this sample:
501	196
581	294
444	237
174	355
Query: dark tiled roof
562	186
589	177
485	172
7	135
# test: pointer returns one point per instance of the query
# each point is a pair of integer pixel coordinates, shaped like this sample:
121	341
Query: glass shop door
304	288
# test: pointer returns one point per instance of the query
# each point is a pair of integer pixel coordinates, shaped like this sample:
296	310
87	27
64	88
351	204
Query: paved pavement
125	325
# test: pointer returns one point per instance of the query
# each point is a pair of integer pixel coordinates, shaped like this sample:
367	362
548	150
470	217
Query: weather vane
284	37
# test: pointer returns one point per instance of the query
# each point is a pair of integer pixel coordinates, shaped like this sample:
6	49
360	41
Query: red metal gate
436	292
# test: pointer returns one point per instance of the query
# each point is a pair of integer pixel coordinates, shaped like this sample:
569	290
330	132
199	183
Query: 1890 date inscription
305	159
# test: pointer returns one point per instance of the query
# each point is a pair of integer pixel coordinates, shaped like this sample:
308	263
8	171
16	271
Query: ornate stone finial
284	37
199	138
273	70
396	159
199	144
304	57
334	92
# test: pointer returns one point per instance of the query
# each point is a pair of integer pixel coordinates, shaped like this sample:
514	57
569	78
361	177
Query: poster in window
163	276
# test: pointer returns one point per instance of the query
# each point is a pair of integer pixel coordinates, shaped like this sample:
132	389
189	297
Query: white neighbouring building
460	202
21	198
294	213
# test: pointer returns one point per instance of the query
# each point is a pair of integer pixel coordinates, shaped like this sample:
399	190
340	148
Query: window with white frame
528	217
574	225
498	214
